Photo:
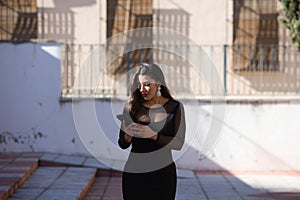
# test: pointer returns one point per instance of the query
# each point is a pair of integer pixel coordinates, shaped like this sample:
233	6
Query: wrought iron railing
91	70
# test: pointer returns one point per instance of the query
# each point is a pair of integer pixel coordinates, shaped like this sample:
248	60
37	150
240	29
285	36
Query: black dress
150	172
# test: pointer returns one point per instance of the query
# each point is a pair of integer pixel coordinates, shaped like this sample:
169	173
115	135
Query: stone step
46	176
57	183
15	169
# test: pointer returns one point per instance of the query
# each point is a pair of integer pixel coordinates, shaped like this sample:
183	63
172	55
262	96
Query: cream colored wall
205	22
80	21
75	21
210	21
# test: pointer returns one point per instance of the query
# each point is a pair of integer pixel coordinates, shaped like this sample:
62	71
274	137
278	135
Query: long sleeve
175	141
125	121
122	142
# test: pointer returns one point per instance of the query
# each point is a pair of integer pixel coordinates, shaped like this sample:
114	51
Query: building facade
249	48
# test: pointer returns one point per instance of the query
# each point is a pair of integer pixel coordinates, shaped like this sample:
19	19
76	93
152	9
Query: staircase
55	176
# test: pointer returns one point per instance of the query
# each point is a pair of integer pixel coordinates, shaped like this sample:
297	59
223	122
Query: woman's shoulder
174	101
172	104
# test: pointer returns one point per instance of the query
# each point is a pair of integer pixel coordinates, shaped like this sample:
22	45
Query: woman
153	124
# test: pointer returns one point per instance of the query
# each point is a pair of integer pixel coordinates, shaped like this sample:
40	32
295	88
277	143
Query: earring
158	93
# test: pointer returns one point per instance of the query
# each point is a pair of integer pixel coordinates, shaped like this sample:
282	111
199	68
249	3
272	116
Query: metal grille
18	20
282	81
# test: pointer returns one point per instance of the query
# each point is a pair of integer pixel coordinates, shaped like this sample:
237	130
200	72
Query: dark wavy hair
153	71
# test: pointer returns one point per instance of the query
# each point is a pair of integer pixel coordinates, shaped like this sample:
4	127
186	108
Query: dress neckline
160	105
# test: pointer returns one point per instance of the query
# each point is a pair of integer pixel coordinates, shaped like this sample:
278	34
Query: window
255	35
18	20
124	15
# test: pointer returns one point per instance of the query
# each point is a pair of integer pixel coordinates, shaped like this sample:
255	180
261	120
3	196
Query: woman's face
147	86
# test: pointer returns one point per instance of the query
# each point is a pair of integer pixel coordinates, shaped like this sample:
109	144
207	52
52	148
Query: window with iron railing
125	15
18	20
255	35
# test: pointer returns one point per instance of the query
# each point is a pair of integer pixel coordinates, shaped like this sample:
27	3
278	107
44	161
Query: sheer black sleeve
175	141
121	141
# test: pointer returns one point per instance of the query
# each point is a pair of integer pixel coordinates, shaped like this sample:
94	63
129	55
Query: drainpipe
225	68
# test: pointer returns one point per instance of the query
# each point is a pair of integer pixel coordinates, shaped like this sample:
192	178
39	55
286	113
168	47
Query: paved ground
54	176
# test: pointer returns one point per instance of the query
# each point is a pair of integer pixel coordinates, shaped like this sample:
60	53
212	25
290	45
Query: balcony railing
91	70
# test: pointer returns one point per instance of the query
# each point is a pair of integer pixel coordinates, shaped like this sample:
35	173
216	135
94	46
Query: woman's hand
141	131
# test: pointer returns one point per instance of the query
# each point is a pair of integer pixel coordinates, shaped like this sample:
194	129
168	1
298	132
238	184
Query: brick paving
55	176
105	188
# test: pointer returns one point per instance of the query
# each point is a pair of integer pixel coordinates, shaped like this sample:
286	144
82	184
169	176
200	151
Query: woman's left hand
142	131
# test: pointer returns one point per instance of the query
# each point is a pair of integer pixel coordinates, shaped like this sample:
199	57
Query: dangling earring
158	93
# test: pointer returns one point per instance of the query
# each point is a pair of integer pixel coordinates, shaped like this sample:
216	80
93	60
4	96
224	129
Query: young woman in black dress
153	124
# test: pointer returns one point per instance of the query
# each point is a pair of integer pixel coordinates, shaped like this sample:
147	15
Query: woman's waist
146	162
153	156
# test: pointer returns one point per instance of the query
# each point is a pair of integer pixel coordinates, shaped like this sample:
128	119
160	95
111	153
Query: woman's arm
124	139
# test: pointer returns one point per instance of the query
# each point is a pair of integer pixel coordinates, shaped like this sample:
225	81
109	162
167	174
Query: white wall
31	117
256	136
260	136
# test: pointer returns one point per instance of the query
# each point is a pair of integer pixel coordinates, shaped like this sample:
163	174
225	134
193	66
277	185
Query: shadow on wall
58	23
